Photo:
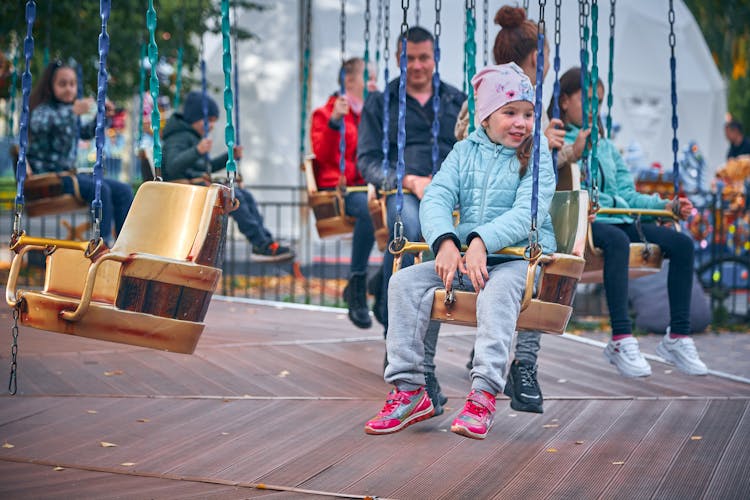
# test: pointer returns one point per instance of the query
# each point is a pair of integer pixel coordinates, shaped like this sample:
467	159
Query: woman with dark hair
52	130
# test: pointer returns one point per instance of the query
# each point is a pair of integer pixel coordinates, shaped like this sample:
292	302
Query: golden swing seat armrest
646	212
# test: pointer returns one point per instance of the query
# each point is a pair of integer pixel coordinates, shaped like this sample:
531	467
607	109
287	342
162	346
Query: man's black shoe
523	389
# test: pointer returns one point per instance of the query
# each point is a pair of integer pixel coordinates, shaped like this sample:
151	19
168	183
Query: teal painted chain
611	72
470	50
594	91
153	57
226	41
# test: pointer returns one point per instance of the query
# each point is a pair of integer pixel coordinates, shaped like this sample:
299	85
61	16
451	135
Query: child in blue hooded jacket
489	177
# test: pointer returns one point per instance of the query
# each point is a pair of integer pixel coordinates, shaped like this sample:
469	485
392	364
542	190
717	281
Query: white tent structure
270	74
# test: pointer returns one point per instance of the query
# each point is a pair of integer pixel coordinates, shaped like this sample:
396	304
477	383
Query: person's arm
219	163
370	143
325	134
184	160
461	130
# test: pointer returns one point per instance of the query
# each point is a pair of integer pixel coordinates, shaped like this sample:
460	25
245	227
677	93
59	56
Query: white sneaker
682	353
627	357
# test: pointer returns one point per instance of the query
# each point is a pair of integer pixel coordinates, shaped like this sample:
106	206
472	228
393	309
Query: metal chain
533	236
673	78
378	32
13	382
366	76
398	228
556	85
226	66
526	6
485	39
385	145
436	90
101	97
342	89
470	51
611	72
417	13
305	84
594	98
153	57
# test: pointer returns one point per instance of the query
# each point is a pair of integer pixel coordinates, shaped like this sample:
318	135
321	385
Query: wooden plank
731	478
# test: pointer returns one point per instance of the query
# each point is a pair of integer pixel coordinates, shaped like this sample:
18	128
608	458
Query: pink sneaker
476	418
401	409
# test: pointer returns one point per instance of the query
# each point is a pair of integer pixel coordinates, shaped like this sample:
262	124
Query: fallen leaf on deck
92	412
114	372
127	464
8	445
284	373
618	463
224	433
696	438
58	468
579	442
142	420
550	426
552	450
105	444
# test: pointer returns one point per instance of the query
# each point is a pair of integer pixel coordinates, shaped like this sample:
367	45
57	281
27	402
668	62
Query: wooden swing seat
645	258
151	289
550	310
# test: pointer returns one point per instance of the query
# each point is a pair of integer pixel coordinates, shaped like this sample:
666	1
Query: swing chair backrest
172	221
568	211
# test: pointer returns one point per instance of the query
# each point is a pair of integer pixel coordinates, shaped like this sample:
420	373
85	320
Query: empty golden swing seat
151	289
548	310
645	258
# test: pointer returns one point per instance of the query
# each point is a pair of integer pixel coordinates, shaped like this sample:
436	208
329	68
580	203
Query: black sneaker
375	288
523	389
273	252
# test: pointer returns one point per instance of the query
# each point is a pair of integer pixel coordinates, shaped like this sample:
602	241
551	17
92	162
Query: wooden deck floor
279	396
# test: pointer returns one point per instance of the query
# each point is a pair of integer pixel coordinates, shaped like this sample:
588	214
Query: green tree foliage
70	29
726	28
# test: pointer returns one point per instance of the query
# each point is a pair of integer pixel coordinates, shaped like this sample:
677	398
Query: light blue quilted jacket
481	178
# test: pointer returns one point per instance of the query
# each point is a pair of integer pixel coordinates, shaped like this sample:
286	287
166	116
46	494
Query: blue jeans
250	221
364	232
614	240
116	199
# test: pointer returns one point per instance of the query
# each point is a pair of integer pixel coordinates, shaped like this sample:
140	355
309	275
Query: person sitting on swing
325	133
184	157
489	177
613	234
52	129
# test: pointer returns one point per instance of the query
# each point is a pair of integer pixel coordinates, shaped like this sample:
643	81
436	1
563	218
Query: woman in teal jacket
489	177
613	234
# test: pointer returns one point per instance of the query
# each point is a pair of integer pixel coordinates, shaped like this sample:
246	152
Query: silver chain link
13	382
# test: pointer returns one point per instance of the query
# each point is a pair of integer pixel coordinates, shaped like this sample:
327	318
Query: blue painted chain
23	122
436	92
401	134
101	97
385	145
533	236
673	77
366	76
153	57
583	32
556	85
342	89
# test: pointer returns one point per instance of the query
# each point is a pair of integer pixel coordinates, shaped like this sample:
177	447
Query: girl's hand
237	152
685	207
447	260
555	133
476	263
580	143
204	146
82	106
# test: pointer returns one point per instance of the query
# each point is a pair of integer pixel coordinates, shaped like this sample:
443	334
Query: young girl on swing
613	234
489	177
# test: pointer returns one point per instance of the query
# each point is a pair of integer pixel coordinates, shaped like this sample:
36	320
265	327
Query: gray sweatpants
410	296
